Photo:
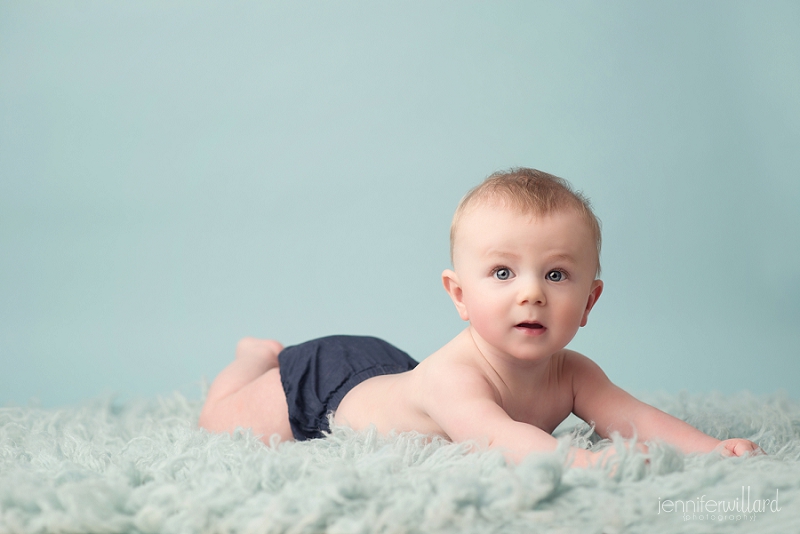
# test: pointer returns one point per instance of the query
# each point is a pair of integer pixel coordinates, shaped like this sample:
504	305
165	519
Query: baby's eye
556	276
502	273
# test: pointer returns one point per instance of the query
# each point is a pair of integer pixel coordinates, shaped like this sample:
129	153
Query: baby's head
527	192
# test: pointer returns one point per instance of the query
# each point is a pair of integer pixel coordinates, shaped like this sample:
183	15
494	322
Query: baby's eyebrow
563	258
501	253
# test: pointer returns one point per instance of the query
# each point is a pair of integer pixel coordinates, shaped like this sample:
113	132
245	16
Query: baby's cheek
486	321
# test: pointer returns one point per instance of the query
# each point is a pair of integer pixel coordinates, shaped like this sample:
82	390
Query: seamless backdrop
177	175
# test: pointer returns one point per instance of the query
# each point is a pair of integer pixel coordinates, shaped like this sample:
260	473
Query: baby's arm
612	409
466	406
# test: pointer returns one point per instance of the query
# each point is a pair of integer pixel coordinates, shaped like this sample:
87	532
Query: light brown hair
528	191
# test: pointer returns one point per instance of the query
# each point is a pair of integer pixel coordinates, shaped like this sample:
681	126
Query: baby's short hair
528	191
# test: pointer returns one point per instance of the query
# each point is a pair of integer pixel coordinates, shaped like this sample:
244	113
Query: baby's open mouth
530	325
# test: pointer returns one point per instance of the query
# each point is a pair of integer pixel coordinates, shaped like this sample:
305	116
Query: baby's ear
594	294
453	288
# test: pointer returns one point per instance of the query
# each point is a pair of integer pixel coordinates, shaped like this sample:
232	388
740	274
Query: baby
525	250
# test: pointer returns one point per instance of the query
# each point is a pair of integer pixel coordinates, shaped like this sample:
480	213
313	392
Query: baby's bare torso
400	402
389	402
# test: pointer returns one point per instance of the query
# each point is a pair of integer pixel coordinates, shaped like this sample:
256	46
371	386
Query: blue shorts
317	374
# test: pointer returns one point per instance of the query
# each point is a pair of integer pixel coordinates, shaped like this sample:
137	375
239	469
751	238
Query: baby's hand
738	447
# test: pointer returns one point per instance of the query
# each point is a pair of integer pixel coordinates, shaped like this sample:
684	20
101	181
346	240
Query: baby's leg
249	394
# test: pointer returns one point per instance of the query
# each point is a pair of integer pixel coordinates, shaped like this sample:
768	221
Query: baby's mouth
533	326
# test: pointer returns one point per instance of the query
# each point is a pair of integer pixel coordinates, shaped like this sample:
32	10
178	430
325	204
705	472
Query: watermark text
702	509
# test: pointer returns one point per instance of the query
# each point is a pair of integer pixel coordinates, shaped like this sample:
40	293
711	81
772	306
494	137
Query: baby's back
390	403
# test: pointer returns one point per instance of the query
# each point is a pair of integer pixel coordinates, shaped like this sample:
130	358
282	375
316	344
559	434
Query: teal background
177	175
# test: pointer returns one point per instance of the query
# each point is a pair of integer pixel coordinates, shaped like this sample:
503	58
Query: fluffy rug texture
144	466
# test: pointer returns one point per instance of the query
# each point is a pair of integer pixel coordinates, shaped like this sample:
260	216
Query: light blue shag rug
144	466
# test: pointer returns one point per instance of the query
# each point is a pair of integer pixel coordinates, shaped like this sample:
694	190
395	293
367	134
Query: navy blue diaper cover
317	374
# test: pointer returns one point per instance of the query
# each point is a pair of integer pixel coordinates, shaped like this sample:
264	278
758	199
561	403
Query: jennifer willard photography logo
702	509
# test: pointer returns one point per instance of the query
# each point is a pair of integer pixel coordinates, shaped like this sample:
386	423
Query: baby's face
527	283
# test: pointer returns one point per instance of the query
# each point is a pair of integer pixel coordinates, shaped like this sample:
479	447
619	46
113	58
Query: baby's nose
532	292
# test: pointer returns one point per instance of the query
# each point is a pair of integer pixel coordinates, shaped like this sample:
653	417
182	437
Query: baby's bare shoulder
440	367
580	370
448	369
570	361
